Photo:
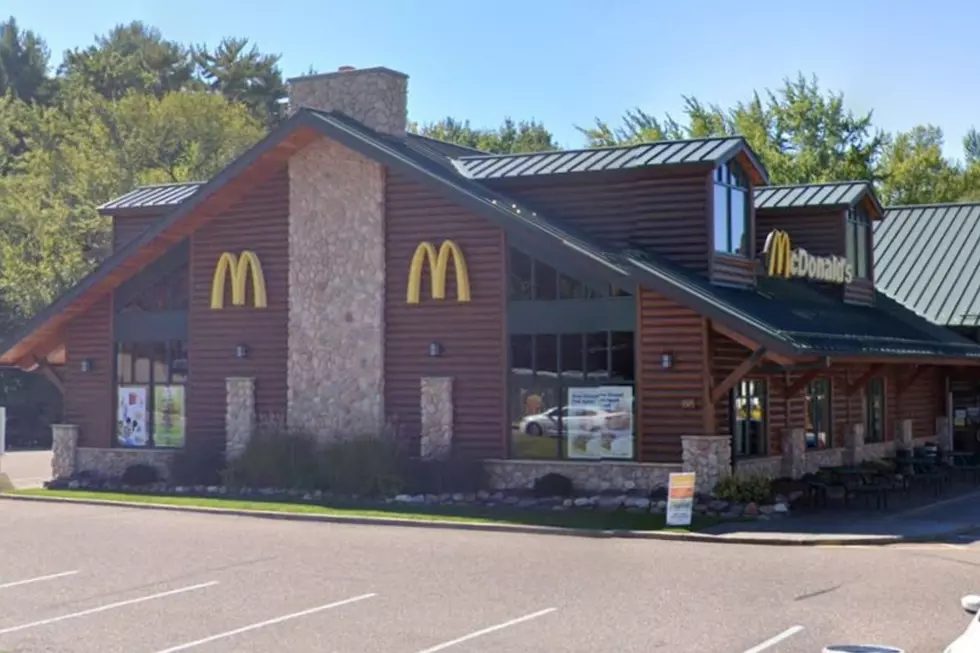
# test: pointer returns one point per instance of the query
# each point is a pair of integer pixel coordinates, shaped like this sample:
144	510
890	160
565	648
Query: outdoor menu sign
168	416
680	499
598	422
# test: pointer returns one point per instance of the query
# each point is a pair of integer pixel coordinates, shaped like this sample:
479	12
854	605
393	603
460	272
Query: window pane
738	222
862	252
623	362
534	431
545	281
161	367
569	288
721	218
521	354
178	362
546	355
520	275
597	355
818	432
142	364
876	411
124	364
851	245
572	366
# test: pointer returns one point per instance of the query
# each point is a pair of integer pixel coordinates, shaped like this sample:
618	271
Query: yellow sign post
438	268
238	268
784	261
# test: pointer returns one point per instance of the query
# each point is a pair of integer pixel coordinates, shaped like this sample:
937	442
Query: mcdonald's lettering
238	268
784	261
438	264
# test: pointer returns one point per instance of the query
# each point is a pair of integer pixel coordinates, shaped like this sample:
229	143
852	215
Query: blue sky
564	62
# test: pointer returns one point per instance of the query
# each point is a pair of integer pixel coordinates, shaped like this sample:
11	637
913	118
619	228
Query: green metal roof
843	194
927	257
643	155
788	316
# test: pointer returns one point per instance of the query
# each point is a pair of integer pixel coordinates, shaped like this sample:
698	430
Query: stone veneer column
944	434
336	292
437	417
903	434
239	414
709	457
854	445
64	449
794	453
377	97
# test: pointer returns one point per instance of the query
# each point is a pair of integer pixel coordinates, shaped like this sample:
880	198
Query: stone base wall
771	467
437	417
587	476
817	458
113	462
878	450
709	457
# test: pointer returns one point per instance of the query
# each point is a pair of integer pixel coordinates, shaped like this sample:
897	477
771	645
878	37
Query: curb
879	540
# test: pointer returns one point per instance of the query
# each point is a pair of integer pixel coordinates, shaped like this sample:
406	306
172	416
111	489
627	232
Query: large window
859	242
748	418
533	280
818	414
571	395
732	208
150	400
874	430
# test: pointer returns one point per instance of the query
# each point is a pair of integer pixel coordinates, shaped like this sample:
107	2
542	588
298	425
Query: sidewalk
946	518
20	470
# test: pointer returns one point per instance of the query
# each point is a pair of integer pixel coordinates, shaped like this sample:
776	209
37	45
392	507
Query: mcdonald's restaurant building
612	314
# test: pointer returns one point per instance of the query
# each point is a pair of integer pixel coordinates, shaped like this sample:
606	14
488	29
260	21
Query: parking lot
103	580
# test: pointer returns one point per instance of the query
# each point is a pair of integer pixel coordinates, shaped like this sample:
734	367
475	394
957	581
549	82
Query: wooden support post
906	383
736	375
50	374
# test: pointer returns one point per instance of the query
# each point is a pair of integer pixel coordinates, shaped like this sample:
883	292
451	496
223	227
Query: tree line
134	107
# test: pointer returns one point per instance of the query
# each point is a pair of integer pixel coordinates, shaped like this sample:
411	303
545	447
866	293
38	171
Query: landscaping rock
582	502
717	505
611	503
751	510
766	510
780	508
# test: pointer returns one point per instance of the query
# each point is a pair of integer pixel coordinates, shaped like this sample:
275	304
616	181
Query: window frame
171	348
858	253
733	420
869	413
732	178
811	412
558	382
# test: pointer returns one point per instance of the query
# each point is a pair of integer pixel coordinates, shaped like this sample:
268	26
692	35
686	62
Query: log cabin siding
818	232
258	222
473	335
89	396
733	270
127	227
922	402
663	211
670	401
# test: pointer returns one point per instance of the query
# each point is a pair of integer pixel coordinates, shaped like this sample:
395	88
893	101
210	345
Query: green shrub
140	474
756	488
276	458
365	465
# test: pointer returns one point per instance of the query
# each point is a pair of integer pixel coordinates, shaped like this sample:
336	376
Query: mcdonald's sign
438	268
238	268
784	261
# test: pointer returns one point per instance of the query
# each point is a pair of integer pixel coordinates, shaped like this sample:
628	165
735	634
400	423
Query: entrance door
964	400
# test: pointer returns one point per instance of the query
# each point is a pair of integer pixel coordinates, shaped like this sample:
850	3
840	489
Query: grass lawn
582	519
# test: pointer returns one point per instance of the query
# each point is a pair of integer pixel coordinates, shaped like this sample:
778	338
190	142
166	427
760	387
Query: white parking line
263	624
486	631
27	581
103	608
769	643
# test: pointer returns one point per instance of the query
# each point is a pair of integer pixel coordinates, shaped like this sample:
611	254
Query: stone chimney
376	97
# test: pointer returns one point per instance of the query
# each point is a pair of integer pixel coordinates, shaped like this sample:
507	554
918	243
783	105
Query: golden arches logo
779	254
438	268
238	268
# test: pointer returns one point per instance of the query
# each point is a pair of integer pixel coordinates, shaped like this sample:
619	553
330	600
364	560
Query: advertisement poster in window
598	422
131	417
168	416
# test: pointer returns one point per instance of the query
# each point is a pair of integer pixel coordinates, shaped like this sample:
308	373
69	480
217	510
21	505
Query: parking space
102	580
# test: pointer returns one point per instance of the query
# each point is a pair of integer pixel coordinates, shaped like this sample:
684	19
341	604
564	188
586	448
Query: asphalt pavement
88	579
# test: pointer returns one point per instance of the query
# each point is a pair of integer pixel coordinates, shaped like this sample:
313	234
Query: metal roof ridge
854	182
935	205
576	150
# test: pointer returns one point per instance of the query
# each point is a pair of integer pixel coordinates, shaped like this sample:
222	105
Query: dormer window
731	209
859	242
